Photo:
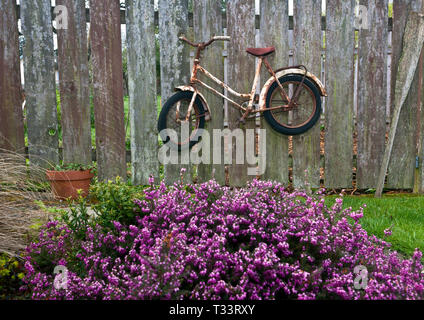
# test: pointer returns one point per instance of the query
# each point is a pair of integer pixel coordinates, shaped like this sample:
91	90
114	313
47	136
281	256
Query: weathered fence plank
419	171
11	119
40	88
142	90
401	169
224	19
307	51
413	41
274	31
74	84
241	66
174	66
340	40
108	88
372	78
207	21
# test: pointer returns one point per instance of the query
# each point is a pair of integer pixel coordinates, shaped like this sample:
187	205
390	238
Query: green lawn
404	212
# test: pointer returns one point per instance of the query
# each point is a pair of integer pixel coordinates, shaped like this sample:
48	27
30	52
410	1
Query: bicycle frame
250	97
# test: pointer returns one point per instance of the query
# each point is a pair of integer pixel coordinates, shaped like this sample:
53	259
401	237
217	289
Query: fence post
108	88
307	51
241	70
372	91
274	31
340	40
11	119
207	21
401	169
419	171
40	88
142	90
74	84
174	65
413	41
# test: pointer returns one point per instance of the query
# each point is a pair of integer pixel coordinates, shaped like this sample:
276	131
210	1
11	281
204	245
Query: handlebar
202	45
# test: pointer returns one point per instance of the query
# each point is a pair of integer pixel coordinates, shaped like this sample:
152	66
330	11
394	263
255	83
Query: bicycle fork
190	109
282	91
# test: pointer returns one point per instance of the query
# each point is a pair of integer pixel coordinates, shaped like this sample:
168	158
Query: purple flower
206	241
388	232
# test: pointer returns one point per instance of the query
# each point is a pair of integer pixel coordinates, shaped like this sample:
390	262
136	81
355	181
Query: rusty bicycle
290	99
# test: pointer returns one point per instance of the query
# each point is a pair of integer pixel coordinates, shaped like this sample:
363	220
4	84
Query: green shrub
114	201
78	218
73	166
11	275
109	201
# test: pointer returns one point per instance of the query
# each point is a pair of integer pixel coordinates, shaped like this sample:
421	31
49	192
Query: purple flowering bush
211	242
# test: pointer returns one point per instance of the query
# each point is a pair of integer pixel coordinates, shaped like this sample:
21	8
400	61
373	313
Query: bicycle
290	99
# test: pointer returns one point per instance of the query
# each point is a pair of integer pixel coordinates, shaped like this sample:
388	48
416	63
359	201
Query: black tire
164	119
310	122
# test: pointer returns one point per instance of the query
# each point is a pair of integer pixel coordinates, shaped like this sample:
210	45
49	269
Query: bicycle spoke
301	109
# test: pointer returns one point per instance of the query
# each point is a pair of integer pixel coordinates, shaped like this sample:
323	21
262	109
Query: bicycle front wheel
172	126
305	112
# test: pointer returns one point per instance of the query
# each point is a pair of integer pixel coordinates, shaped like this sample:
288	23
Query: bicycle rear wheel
303	115
172	121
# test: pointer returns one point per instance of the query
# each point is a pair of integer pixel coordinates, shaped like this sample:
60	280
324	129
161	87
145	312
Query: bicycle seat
260	52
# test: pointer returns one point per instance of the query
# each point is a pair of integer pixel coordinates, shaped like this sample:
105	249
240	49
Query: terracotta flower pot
65	184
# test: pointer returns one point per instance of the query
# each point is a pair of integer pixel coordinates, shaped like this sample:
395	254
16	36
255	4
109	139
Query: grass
19	189
404	213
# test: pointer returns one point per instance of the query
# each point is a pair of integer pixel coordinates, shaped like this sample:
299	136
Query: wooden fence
344	151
